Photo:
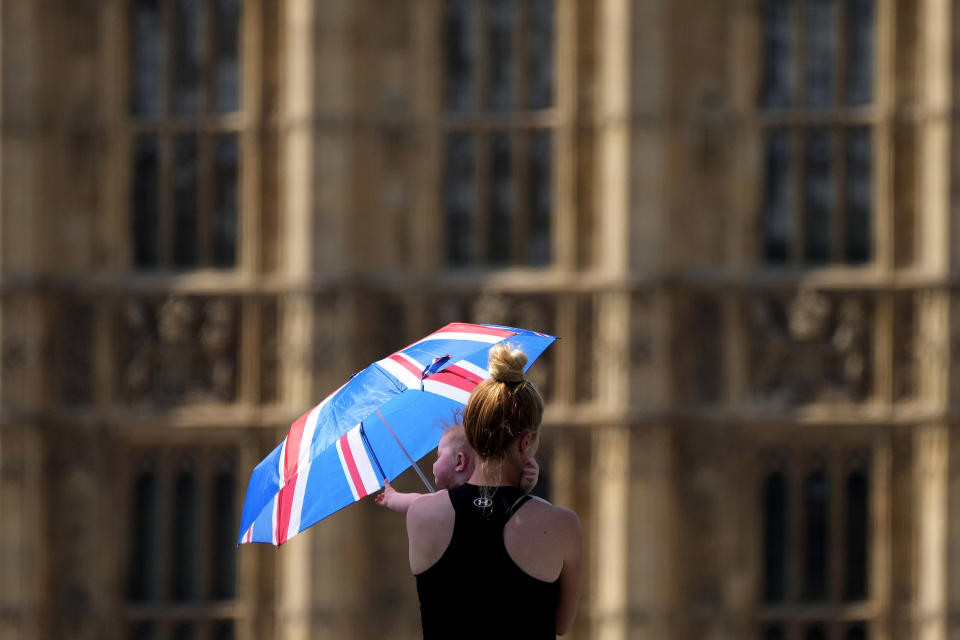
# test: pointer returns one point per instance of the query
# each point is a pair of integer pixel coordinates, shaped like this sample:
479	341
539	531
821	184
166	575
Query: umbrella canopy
372	428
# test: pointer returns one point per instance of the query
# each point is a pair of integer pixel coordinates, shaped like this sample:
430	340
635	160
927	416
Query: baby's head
455	459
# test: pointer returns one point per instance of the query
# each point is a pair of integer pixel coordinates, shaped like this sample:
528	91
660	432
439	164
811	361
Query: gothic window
181	544
815	544
498	119
184	124
816	93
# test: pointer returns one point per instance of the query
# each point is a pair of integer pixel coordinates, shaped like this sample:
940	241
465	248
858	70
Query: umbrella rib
415	466
366	442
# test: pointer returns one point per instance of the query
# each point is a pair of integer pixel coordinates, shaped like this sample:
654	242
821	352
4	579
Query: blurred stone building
741	216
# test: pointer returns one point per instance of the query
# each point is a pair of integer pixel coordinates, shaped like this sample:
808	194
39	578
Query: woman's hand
529	475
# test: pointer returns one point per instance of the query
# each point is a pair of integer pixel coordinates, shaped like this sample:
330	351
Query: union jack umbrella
372	428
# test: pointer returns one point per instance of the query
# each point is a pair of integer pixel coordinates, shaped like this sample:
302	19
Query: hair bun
506	363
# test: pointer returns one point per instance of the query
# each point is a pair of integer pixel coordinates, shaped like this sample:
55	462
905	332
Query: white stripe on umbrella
446	390
461	335
296	508
400	372
281	463
356	465
306	440
367	475
480	372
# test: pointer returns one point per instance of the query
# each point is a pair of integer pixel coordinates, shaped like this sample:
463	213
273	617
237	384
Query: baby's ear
461	461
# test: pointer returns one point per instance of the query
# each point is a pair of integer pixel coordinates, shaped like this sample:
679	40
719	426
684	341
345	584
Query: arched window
181	566
817	84
184	123
499	90
815	505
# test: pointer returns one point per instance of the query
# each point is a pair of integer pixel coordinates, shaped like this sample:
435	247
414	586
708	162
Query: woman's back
490	560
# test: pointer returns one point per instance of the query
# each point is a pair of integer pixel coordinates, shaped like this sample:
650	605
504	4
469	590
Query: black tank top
475	590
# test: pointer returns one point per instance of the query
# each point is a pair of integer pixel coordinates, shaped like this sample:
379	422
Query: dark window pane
188	55
185	202
777	221
226	209
459	199
185	538
147	93
502	57
861	28
143	560
223	545
223	631
775	533
542	42
779	42
502	200
774	632
819	196
146	201
858	234
821	51
541	198
857	632
815	632
461	53
815	531
143	631
184	631
227	59
858	514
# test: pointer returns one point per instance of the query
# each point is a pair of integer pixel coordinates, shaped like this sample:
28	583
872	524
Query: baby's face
445	468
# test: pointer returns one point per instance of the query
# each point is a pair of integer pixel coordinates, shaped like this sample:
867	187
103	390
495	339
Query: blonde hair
504	407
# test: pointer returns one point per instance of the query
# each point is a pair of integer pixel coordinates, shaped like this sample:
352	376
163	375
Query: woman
490	561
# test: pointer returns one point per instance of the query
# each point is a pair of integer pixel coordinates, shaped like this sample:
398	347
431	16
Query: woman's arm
570	575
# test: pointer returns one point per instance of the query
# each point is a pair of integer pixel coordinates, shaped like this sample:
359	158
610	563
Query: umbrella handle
415	466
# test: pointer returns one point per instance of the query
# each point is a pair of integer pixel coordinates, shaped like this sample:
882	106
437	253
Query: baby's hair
502	408
457	437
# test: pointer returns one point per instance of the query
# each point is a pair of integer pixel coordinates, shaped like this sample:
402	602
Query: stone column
629	531
606	549
23	542
930	517
296	155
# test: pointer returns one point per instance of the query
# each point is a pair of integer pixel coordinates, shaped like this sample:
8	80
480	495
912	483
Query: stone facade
756	449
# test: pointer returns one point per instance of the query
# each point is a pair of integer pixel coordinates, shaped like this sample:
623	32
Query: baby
454	466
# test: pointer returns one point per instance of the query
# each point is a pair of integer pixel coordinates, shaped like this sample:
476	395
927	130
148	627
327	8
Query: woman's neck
492	473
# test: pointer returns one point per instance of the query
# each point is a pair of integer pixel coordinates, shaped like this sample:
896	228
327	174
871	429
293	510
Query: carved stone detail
179	350
809	347
697	349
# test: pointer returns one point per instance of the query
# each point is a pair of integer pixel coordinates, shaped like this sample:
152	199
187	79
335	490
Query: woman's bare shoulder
559	517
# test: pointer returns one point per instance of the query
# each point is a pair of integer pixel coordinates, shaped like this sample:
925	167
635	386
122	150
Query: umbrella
372	429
